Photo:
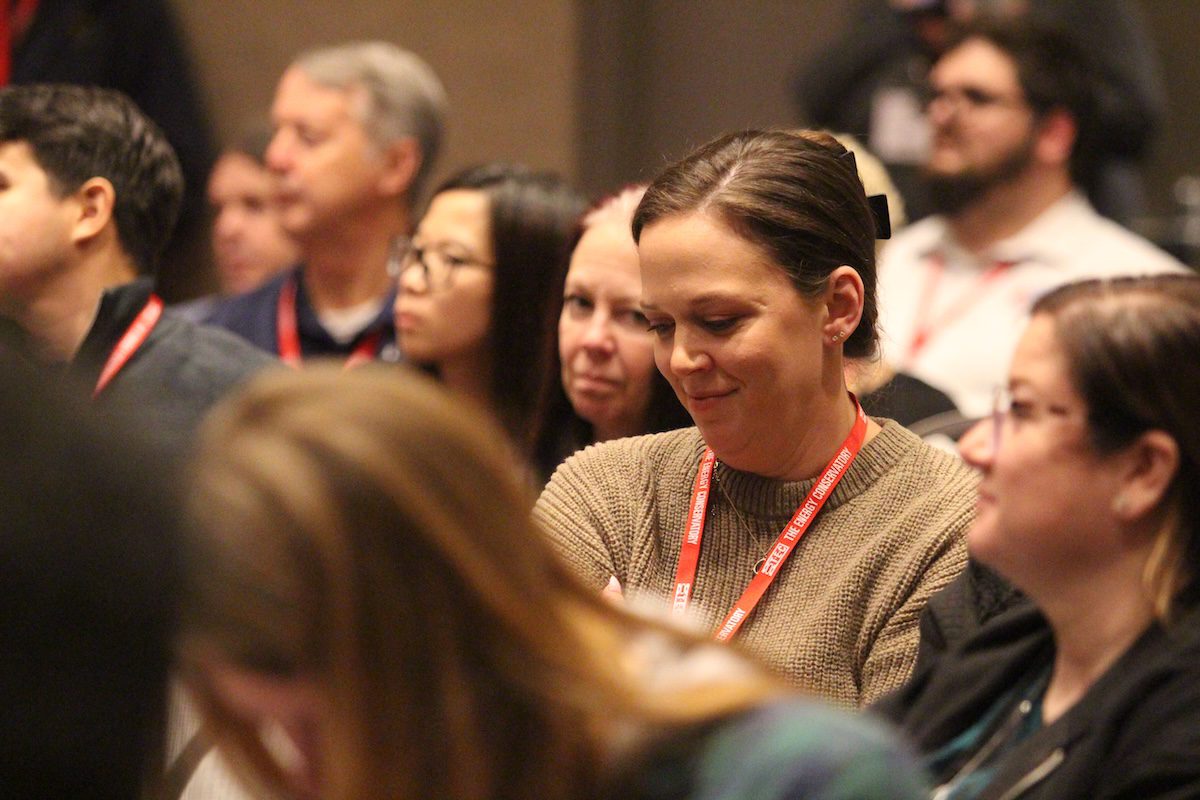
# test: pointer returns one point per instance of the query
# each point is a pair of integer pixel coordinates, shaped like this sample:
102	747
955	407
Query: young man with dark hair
89	194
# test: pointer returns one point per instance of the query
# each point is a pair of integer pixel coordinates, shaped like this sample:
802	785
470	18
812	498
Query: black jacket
172	380
1135	734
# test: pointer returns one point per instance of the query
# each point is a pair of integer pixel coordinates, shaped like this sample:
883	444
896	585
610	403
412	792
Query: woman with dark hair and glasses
1090	504
476	286
786	517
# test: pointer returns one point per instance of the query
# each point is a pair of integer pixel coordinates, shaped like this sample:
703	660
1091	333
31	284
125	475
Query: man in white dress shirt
1009	107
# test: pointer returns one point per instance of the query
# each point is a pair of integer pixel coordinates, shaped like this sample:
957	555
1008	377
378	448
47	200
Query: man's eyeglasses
435	265
967	98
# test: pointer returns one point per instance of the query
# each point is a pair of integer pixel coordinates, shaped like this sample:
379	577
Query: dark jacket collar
119	306
955	690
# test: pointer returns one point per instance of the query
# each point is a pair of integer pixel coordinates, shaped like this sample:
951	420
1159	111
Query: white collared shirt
972	325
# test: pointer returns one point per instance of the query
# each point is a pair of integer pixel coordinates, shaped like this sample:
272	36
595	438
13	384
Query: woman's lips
594	384
703	401
407	321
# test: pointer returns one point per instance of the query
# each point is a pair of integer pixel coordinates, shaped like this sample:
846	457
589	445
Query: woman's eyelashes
578	305
712	325
631	318
659	326
719	324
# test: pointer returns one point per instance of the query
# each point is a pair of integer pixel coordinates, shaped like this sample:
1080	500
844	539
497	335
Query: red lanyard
15	18
289	335
927	328
689	551
130	341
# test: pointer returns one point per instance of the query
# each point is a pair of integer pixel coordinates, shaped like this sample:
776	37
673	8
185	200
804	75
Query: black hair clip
877	202
879	210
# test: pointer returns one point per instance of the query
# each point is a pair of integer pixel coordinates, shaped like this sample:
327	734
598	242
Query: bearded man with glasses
1011	107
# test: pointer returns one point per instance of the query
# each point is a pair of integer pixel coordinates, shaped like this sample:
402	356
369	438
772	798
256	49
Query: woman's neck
811	449
1095	620
618	429
469	376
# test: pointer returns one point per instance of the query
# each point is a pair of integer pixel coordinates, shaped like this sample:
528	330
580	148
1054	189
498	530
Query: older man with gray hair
357	129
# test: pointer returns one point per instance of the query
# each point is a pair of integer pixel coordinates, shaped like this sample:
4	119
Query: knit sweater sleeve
890	660
936	520
595	504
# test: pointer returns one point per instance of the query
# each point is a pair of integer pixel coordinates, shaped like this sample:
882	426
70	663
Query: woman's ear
96	199
843	299
1151	464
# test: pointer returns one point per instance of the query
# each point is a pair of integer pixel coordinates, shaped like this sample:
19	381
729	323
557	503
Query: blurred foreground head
87	596
373	613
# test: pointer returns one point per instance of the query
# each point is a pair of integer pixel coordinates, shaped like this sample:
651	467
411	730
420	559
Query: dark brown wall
508	65
605	90
1176	27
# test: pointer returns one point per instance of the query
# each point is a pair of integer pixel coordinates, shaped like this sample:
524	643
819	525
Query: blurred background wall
604	91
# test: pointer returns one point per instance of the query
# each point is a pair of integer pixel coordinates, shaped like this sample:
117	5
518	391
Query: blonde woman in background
605	348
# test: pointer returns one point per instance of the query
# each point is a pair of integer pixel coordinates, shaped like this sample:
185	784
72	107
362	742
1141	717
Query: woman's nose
412	279
686	359
978	445
597	335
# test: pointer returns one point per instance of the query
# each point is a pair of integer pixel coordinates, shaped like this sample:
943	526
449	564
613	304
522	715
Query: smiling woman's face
741	347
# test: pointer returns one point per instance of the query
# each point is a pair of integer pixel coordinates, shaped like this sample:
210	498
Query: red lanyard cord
764	576
133	338
927	326
15	18
288	334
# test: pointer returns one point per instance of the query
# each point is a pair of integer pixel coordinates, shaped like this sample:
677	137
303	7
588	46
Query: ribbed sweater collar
776	500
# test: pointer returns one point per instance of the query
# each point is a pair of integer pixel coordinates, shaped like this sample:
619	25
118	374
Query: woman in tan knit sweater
786	520
370	614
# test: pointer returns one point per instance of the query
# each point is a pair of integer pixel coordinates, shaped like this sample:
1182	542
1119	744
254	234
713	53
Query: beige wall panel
509	65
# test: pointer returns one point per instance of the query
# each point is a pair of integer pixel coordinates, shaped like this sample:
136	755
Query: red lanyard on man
288	333
928	326
764	576
133	338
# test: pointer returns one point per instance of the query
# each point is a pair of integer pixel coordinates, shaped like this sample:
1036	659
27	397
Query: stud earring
837	337
1120	504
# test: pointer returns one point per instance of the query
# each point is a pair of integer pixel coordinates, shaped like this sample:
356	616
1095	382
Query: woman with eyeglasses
786	519
1090	504
372	614
477	285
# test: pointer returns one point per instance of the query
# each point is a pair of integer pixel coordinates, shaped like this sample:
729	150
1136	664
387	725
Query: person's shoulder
210	355
1093	246
929	493
914	454
232	311
800	747
912	241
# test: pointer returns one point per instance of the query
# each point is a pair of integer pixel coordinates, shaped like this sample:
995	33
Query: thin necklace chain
737	512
